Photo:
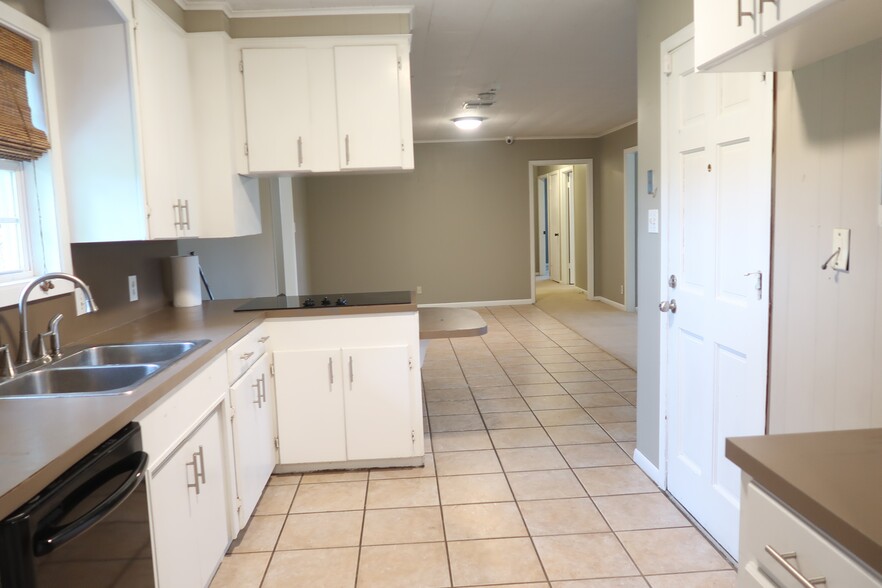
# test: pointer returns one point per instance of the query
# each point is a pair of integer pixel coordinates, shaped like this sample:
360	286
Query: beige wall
458	225
826	348
301	234
609	214
656	21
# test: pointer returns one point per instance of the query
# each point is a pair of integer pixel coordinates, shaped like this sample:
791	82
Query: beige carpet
612	330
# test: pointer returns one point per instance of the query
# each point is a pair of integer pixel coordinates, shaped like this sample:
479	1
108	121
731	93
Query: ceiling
562	68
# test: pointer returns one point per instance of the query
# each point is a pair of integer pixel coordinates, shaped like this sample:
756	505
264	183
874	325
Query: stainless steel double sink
98	371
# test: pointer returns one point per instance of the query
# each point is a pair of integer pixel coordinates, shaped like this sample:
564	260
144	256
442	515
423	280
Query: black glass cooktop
326	300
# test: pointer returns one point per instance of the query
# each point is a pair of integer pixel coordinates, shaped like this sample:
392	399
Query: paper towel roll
185	280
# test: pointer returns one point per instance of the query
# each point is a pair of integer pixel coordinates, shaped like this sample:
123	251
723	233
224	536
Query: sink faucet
24	346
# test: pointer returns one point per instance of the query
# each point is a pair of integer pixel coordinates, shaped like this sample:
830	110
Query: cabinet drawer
767	522
166	423
246	351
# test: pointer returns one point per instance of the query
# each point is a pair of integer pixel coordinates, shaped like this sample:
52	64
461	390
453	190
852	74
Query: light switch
841	240
653	220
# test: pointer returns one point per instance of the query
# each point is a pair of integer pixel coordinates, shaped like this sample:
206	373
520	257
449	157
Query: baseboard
612	303
480	303
648	468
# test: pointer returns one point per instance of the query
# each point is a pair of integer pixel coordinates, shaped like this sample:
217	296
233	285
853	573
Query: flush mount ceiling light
468	122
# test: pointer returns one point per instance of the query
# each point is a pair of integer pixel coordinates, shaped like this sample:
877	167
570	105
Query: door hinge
412	436
399	64
241	66
410	363
402	147
668	67
764	76
246	148
272	370
276	441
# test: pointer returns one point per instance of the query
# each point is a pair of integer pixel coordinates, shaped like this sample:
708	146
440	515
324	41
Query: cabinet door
368	107
377	396
254	446
309	403
173	534
167	133
209	518
719	29
277	116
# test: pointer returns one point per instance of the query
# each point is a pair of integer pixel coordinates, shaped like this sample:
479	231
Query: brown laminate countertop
832	479
40	438
444	323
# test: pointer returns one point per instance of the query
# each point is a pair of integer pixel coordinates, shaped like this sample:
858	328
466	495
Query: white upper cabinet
318	105
168	135
126	121
368	109
277	113
234	209
779	35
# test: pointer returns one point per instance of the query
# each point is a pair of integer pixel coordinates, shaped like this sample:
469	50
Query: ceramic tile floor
528	482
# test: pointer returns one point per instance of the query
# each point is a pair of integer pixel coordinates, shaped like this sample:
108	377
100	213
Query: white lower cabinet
347	388
777	547
188	484
252	400
344	404
188	498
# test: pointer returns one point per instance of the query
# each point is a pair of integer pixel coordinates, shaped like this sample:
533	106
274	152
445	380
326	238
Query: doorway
630	215
716	207
562	222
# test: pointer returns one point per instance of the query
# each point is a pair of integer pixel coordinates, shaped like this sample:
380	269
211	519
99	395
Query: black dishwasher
88	528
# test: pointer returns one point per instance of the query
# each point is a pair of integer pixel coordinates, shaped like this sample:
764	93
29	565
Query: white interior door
542	205
554	226
718	132
570	187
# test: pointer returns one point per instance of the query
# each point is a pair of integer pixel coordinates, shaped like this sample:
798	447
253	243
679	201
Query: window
15	247
33	224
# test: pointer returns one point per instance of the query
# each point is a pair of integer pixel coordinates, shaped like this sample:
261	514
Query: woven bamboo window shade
19	139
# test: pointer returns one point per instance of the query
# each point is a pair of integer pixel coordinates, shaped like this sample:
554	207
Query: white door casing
554	226
569	182
630	228
542	207
716	165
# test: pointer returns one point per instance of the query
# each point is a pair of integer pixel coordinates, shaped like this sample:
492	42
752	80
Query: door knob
666	306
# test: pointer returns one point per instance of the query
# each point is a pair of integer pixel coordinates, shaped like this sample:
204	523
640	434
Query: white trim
618	128
230	12
630	232
520	302
589	227
654	473
667	46
612	303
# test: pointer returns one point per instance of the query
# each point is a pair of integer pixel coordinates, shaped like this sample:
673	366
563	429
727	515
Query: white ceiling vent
484	100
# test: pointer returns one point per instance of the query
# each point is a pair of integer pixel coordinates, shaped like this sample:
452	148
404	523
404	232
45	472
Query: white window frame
43	178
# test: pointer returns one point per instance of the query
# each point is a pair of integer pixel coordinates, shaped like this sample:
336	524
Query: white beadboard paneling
826	325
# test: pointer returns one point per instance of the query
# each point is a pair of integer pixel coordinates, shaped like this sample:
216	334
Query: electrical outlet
419	289
652	225
80	301
622	289
133	288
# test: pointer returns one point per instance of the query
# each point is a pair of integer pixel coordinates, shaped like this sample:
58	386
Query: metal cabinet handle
763	3
246	356
742	13
179	218
258	402
782	558
201	455
186	209
195	483
263	339
331	370
351	373
347	149
299	151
